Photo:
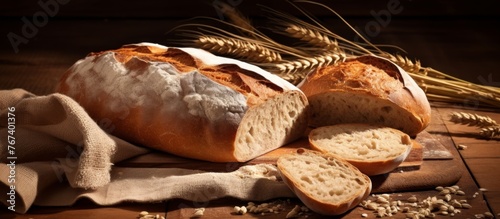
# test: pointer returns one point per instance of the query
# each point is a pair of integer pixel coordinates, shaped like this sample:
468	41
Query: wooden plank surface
419	171
482	156
87	209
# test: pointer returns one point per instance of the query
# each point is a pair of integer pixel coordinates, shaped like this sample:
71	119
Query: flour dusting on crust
160	84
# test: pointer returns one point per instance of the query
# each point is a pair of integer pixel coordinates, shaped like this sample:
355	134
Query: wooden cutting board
429	164
425	147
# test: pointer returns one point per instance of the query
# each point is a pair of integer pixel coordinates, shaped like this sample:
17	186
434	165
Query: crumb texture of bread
324	183
338	182
361	142
372	149
367	89
337	107
275	122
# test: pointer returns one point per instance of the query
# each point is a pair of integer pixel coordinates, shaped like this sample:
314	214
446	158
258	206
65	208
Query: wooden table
477	163
454	38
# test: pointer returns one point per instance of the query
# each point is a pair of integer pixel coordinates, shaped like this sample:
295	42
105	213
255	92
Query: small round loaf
366	89
326	184
373	150
187	101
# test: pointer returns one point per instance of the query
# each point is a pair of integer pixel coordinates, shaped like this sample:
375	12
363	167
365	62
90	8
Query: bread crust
376	77
180	100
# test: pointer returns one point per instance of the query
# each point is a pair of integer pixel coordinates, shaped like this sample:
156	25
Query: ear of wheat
295	71
313	37
248	50
490	132
472	119
489	127
299	65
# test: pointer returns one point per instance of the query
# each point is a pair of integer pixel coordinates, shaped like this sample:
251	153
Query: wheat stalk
472	119
237	18
307	63
405	63
445	85
320	37
296	70
313	37
328	48
490	128
238	48
416	68
479	93
490	132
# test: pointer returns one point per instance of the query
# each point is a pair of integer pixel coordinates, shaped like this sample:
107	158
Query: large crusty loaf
187	101
324	183
366	89
372	149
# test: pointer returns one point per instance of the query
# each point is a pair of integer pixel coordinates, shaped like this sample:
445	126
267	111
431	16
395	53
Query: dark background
456	37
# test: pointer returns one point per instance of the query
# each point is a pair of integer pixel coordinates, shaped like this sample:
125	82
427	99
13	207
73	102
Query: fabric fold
61	155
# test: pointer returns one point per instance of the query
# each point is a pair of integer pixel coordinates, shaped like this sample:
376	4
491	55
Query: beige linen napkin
61	155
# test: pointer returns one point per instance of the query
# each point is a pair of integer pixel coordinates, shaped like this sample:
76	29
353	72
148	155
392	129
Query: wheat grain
490	132
312	37
472	119
238	48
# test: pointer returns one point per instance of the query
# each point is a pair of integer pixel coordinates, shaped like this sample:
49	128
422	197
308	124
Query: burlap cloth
60	155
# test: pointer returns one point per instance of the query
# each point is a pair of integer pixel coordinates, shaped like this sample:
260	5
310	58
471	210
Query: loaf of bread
366	89
373	150
187	101
325	183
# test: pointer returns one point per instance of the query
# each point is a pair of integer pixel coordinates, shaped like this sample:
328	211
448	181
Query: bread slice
187	102
372	149
325	183
366	89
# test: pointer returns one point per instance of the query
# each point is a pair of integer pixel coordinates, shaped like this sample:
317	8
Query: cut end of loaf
270	125
337	107
324	183
373	149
